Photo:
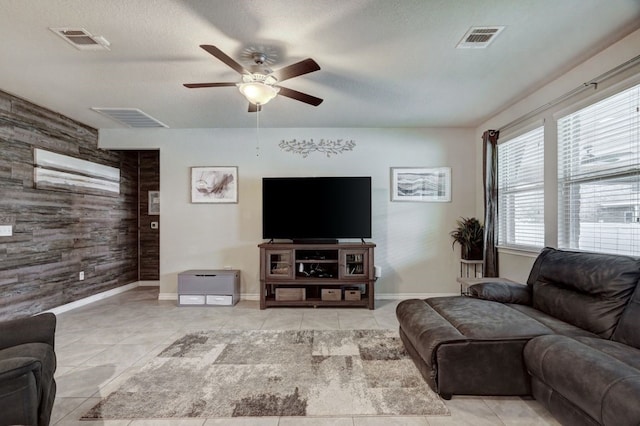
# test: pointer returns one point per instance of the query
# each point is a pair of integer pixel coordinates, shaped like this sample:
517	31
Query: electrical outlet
377	271
81	276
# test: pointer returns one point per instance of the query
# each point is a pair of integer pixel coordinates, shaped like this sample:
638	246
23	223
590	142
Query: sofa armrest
37	329
12	368
21	392
502	291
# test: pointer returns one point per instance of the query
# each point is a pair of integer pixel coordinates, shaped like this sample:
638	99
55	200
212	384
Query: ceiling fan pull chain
258	131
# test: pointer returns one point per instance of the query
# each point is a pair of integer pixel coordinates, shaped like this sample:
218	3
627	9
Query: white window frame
572	229
521	184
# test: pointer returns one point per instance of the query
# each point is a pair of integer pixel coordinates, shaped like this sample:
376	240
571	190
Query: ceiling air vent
479	37
82	39
131	117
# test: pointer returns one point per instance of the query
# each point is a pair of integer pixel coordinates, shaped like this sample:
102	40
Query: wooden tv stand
317	275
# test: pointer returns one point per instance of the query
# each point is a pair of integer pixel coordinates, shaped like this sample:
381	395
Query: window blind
521	191
599	176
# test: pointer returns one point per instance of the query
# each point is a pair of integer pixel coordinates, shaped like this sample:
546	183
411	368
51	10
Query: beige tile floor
102	344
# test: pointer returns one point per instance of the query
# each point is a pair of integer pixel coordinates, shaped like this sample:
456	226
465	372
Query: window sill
526	252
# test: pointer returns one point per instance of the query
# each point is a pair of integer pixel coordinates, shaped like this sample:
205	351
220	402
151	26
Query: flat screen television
316	208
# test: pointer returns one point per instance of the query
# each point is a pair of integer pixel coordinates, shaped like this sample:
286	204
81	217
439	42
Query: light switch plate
6	230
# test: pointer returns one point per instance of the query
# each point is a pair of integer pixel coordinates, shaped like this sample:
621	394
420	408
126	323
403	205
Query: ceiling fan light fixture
257	92
259	82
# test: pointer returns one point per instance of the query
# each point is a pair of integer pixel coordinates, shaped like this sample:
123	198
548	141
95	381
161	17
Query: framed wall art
214	184
421	184
57	172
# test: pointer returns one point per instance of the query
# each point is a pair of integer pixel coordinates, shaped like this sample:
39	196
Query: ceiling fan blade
199	85
299	96
224	58
254	107
294	70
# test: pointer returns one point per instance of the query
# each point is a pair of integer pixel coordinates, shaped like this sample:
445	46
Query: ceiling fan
260	83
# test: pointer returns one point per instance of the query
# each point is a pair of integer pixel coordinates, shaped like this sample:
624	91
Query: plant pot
472	253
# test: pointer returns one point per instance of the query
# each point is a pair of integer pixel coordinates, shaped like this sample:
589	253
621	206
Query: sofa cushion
430	323
483	319
628	329
504	292
598	376
468	346
588	290
554	324
621	352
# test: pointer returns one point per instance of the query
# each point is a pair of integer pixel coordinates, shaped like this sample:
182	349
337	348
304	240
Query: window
521	191
599	176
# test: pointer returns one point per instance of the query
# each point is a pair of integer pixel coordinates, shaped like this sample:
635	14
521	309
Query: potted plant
470	235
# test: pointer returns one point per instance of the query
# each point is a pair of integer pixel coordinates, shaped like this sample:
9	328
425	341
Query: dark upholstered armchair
27	364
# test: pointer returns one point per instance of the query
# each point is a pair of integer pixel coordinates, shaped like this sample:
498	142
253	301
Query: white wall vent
82	39
131	117
479	37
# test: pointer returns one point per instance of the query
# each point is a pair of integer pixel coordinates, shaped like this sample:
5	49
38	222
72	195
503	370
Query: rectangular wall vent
131	117
479	37
82	39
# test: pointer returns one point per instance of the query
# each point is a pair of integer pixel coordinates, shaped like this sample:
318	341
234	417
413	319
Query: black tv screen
317	208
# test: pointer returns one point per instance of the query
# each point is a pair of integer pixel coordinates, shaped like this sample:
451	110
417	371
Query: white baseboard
168	296
402	296
149	283
91	299
250	296
244	296
174	296
380	296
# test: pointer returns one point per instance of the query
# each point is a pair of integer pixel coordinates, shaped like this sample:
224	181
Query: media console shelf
317	275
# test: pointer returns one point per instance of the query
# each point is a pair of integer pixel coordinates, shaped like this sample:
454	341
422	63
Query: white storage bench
209	287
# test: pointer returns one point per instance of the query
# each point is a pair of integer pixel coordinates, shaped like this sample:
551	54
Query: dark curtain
490	178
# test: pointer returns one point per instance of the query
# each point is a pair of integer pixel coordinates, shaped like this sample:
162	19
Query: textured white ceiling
385	63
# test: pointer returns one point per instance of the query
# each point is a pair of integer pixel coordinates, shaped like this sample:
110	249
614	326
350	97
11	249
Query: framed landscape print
214	184
421	184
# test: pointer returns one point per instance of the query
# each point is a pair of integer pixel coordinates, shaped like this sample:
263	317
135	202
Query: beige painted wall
413	243
414	248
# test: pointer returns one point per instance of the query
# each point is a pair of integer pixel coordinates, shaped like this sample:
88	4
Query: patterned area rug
275	373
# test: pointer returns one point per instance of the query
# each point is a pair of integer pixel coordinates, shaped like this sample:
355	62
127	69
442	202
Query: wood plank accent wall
58	234
149	238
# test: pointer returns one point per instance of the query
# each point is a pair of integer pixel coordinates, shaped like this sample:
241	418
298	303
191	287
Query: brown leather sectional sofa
570	337
27	367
